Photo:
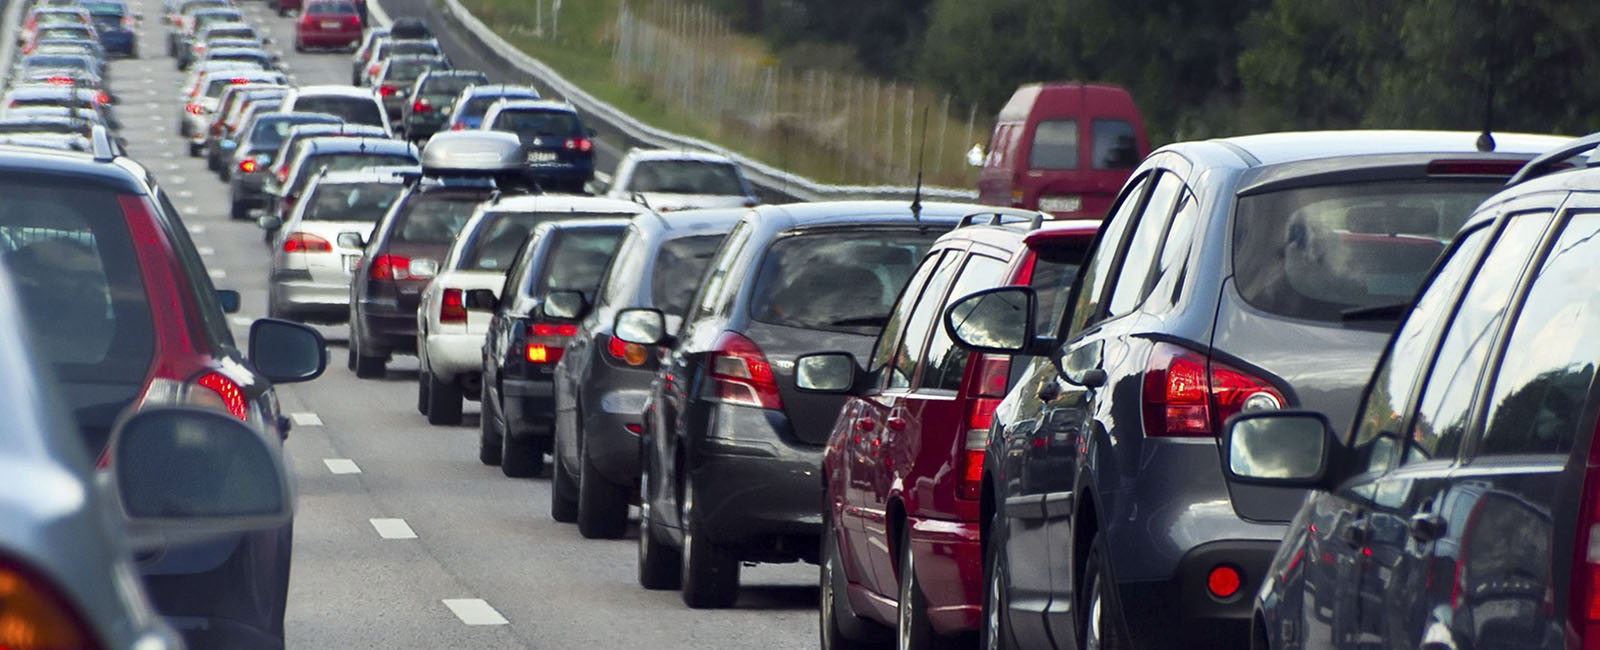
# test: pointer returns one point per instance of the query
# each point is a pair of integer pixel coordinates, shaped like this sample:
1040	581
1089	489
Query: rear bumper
329	39
382	327
949	561
754	491
529	405
450	355
119	42
1181	612
311	295
608	441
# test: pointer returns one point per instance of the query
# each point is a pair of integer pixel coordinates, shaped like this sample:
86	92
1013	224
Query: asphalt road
487	567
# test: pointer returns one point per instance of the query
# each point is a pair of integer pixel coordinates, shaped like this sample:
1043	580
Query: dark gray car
1237	275
254	156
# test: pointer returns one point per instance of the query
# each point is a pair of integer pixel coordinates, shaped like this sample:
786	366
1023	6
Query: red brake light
458	126
579	144
1183	398
1468	167
60	80
541	353
192	108
237	80
549	329
36	615
1223	581
390	267
451	308
248	166
298	242
544	341
741	374
969	470
102	98
387	90
420	106
228	392
632	354
372	70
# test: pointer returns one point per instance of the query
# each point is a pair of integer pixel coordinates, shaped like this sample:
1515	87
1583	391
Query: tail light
579	144
304	242
390	267
451	307
372	71
544	341
1223	581
1188	394
1584	606
458	126
36	615
102	98
283	174
192	108
248	166
421	106
388	90
60	80
632	354
741	375
988	389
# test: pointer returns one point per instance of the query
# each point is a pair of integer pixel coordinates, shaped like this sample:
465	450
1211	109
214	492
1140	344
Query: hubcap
644	516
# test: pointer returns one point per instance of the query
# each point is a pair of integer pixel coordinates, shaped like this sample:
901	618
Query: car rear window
1055	145
45	61
229	32
331	9
449	86
365	202
477	105
360	110
435	219
407	70
537	122
678	268
686	177
578	258
63	31
1315	253
344	162
1055	268
494	245
396	48
270	133
1115	146
842	281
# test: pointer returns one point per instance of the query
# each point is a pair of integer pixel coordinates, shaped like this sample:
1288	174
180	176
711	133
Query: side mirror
482	300
998	320
184	475
350	240
229	299
826	372
287	352
976	155
569	305
642	326
269	222
1278	448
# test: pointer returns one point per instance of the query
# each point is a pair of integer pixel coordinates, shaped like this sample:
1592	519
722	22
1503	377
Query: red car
328	24
901	549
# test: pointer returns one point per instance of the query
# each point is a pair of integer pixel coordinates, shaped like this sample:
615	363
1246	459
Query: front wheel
1102	620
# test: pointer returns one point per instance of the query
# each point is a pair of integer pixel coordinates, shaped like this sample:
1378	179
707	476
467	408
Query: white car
201	108
668	180
449	331
319	248
353	105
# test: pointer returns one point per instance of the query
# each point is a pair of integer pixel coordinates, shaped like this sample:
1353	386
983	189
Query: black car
732	449
412	239
428	101
601	381
560	149
1460	508
1232	276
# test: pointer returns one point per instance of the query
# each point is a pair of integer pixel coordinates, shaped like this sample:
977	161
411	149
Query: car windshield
363	202
493	245
435	219
687	177
578	257
678	267
360	110
537	122
1314	253
840	281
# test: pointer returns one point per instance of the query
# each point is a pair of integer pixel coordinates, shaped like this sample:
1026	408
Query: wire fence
855	129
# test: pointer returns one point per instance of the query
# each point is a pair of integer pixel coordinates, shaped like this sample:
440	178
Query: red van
1063	148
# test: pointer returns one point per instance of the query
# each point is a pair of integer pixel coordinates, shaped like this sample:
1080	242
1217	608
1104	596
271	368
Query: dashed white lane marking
341	465
394	529
195	230
206	250
305	419
217	274
241	321
185	194
177	180
163	141
474	611
189	209
172	167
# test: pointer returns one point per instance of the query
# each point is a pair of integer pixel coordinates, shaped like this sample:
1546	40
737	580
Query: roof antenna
922	155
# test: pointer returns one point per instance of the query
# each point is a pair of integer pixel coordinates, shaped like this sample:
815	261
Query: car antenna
922	154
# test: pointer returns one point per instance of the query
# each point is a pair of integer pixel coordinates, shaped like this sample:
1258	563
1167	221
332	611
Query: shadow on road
779	597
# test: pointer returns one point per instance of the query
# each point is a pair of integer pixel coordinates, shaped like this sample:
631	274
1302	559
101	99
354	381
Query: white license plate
1061	203
541	156
330	24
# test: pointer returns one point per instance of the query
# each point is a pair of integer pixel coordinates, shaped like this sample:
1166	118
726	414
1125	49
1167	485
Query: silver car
318	250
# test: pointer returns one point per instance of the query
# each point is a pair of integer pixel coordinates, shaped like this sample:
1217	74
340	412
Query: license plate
541	156
352	262
330	24
1061	203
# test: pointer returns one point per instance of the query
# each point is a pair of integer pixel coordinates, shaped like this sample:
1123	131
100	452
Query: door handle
1426	526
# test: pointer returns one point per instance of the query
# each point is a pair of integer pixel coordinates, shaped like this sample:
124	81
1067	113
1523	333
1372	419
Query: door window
1133	279
1546	368
947	361
1444	408
908	354
1092	285
711	293
883	351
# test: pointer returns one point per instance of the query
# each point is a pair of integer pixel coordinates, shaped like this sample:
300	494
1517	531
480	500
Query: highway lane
482	542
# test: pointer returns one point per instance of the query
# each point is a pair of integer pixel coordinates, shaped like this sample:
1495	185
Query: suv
123	310
560	151
732	449
406	248
905	459
1460	509
1237	275
259	140
668	180
423	112
449	336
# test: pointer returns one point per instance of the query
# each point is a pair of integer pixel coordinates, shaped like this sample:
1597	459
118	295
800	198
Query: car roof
586	223
565	203
1583	178
1064	229
678	154
303	117
75	165
690	222
364	144
332	90
384	174
453	72
532	104
898	213
1278	148
485	89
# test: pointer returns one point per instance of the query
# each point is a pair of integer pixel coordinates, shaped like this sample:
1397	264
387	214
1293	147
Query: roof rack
1549	161
104	149
1002	219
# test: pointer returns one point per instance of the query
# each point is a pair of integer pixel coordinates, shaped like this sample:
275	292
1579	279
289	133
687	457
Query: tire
239	210
367	367
444	401
1101	627
489	435
282	12
995	631
563	488
519	457
350	354
602	505
195	150
658	562
710	573
841	628
913	630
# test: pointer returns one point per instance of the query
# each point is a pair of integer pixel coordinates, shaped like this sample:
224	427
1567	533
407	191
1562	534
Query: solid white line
474	611
377	14
393	529
341	465
305	419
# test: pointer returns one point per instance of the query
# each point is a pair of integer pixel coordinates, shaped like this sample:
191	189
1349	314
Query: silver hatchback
318	250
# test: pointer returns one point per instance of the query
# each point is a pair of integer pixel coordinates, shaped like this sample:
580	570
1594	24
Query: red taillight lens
458	126
372	70
632	354
969	470
304	242
451	308
102	98
1223	581
34	615
247	166
387	90
227	394
741	374
1468	167
579	144
552	329
391	267
60	80
541	353
193	109
1183	398
421	106
545	340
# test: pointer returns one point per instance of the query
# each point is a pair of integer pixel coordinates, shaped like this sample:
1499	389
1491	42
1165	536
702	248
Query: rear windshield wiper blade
1393	311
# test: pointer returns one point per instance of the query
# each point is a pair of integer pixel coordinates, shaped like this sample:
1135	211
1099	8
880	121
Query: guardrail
764	176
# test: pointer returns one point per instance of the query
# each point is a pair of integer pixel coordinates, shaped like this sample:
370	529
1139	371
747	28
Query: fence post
944	128
972	114
911	115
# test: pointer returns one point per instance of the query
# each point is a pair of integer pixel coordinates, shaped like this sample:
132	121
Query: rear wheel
913	630
658	562
489	434
996	630
444	401
563	488
520	456
602	505
367	366
422	393
1102	620
842	629
710	573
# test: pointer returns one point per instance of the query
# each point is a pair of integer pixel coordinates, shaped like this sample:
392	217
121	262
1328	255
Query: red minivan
1064	148
901	550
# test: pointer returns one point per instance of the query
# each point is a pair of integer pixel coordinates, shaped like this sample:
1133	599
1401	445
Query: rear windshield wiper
1393	311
